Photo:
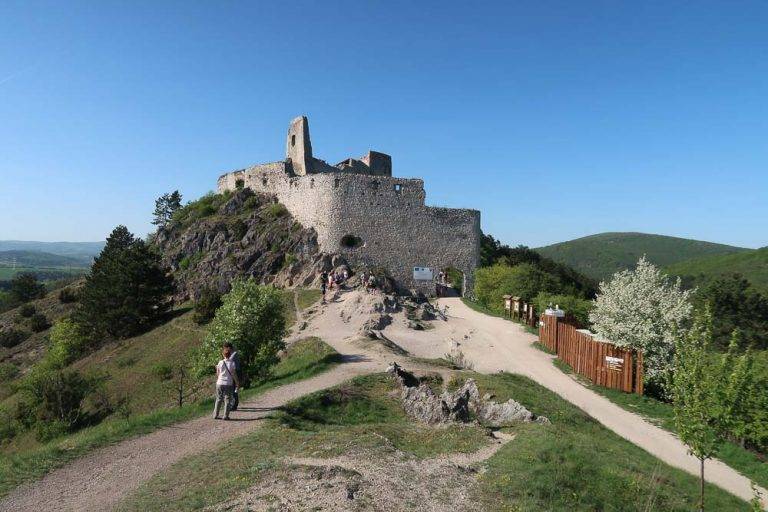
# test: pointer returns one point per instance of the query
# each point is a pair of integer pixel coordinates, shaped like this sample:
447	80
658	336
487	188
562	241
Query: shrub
67	295
25	287
38	322
69	340
163	371
524	280
8	371
239	229
27	310
574	307
206	306
54	401
251	203
11	337
253	319
275	211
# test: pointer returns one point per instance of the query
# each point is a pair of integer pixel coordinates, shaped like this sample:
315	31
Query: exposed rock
247	235
461	406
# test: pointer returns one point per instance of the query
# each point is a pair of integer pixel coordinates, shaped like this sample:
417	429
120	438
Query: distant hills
38	259
82	252
751	264
600	256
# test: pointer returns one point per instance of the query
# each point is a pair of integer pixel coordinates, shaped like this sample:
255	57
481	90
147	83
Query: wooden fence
603	363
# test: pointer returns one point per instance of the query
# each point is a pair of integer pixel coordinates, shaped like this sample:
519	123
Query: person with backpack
226	381
235	357
323	284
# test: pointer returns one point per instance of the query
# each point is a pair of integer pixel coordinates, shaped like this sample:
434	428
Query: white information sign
423	274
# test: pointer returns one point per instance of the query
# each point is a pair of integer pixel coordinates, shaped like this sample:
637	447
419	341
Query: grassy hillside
38	259
573	464
83	251
599	256
753	265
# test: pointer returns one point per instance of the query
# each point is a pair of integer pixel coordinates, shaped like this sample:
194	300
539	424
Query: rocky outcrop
240	234
461	406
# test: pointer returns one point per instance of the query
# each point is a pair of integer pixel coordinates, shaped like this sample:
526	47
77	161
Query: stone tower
298	147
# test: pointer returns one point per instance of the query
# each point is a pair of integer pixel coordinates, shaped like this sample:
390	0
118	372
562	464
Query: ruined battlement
360	200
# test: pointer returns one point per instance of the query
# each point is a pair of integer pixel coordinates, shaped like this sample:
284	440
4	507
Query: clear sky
555	119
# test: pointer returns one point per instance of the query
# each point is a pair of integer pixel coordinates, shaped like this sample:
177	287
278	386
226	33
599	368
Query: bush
69	340
27	310
253	319
25	287
524	281
54	401
206	306
38	322
67	295
11	337
275	211
163	371
8	371
574	307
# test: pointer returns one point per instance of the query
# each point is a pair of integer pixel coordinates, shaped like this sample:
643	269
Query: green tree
252	318
126	290
206	306
735	305
69	340
25	287
524	280
706	392
165	206
574	307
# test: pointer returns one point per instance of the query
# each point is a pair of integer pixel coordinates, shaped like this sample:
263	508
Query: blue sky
555	119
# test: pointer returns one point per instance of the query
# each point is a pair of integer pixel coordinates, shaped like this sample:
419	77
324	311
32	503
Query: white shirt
225	377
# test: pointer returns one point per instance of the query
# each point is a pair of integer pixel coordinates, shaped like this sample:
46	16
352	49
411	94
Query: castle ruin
363	213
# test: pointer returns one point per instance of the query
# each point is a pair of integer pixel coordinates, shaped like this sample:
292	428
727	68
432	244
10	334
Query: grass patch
661	414
577	464
361	414
303	359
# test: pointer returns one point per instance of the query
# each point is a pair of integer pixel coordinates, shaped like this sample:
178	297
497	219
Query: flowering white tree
645	310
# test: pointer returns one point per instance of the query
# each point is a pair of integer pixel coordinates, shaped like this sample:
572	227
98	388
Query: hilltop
753	265
84	252
38	259
599	256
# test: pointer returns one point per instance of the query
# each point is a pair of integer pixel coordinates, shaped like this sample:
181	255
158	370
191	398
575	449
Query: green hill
599	256
753	265
38	259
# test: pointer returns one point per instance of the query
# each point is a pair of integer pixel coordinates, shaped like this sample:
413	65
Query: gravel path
493	344
99	480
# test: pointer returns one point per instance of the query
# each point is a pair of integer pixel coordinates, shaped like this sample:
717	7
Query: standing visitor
235	358
324	284
226	380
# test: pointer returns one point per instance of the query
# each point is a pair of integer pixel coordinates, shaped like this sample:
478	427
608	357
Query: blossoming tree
643	309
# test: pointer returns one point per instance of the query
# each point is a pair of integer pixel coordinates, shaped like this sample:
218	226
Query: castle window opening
351	241
398	187
239	184
336	183
264	181
312	183
293	140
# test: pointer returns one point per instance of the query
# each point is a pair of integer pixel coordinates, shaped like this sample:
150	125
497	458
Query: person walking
226	380
324	284
235	358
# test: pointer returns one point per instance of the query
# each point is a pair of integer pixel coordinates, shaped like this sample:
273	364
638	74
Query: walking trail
493	344
100	480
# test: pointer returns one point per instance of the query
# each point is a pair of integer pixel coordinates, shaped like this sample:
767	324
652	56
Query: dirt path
99	480
494	344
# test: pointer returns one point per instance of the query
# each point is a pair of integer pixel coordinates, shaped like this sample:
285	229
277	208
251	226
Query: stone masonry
360	211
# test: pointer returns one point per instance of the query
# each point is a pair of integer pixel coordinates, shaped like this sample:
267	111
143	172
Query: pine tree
165	206
126	289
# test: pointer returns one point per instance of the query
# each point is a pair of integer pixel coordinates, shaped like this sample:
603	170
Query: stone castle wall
388	216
